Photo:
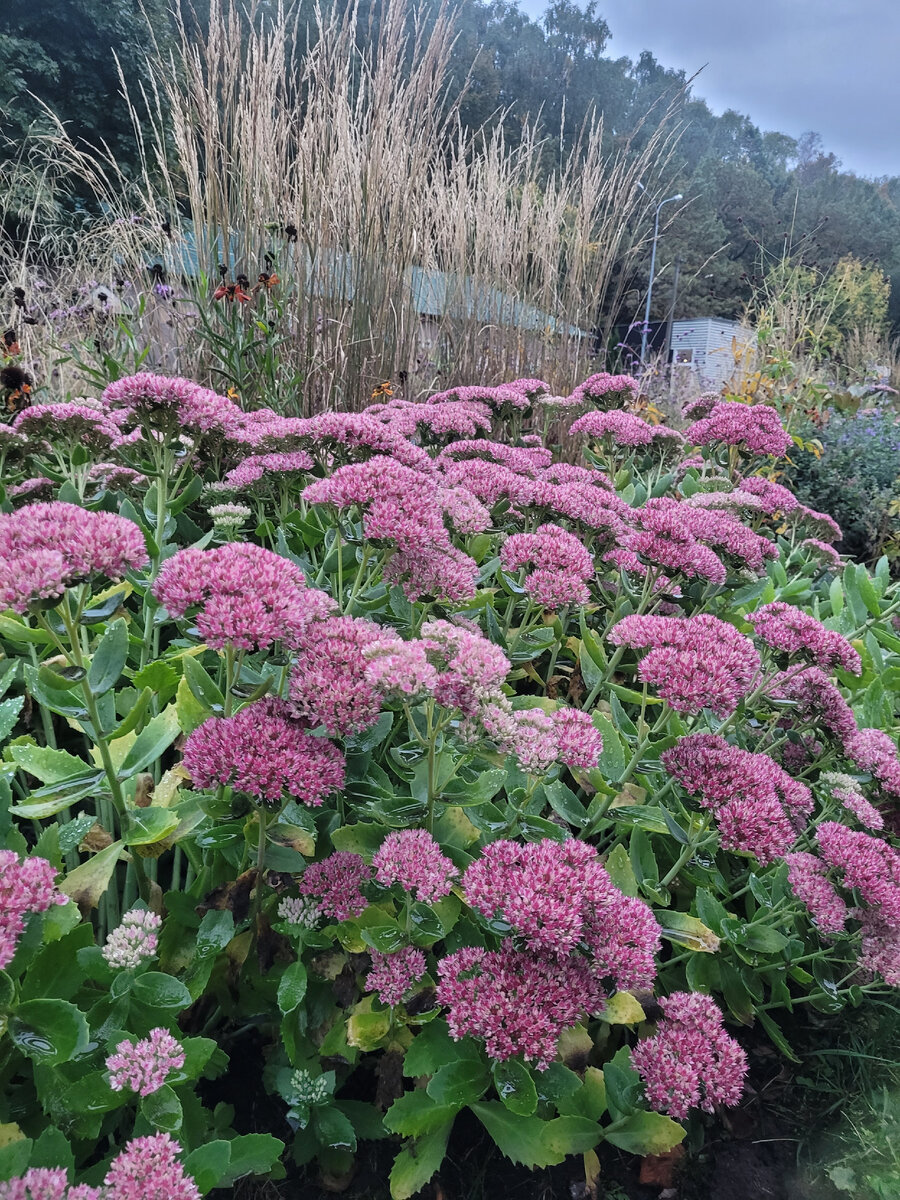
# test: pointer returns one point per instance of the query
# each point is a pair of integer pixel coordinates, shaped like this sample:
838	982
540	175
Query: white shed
713	350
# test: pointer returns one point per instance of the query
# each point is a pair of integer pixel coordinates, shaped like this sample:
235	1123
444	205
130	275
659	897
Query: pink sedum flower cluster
26	886
244	595
328	684
808	880
134	941
392	975
793	632
690	1062
624	429
412	858
561	565
144	1066
147	1169
48	547
263	752
606	391
337	883
757	429
694	662
874	750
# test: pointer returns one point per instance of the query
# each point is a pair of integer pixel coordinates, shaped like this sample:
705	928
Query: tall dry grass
424	253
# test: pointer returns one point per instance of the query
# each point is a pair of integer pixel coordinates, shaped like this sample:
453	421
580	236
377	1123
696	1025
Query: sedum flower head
392	975
134	941
337	883
299	911
143	1066
792	631
309	1089
26	886
412	858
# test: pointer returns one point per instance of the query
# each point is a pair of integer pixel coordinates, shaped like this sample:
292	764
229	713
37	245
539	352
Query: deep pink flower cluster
405	509
264	753
172	402
562	566
26	886
523	460
508	396
260	467
143	1066
694	662
247	596
516	1002
753	798
808	880
791	631
828	556
71	423
867	863
337	883
819	525
392	975
816	699
880	949
329	685
471	668
559	898
755	429
607	391
690	1062
774	497
441	419
623	429
874	750
412	858
664	538
147	1169
718	530
736	500
45	548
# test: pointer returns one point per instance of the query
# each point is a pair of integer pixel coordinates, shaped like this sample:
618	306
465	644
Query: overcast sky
792	65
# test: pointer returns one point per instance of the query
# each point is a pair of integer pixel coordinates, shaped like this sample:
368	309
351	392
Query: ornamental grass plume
515	1001
690	1062
134	941
264	753
791	631
143	1067
392	975
561	565
808	880
694	662
755	430
329	684
48	547
26	886
244	595
337	882
412	858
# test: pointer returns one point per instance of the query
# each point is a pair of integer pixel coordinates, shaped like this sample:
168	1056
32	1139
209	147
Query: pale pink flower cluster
847	791
506	398
412	858
880	949
559	898
561	565
337	883
718	530
440	419
400	670
45	548
664	537
690	1062
538	739
263	752
134	941
171	403
147	1169
828	556
808	880
820	525
755	429
623	429
246	596
607	391
522	460
39	487
329	685
774	497
392	975
875	751
72	423
471	669
532	388
754	800
261	467
143	1066
694	662
791	631
116	478
515	1001
26	886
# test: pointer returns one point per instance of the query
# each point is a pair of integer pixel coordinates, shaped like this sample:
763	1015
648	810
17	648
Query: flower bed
458	775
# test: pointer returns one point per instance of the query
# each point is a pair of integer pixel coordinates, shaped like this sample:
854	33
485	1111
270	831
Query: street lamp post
646	327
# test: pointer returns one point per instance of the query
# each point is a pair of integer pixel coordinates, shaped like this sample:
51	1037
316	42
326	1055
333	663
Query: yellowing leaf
622	1009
